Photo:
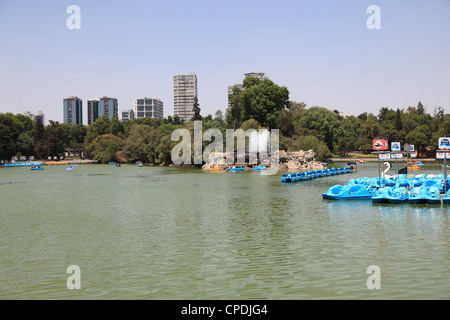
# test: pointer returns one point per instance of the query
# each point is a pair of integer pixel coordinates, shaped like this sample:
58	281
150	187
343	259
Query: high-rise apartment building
184	92
73	112
92	110
148	108
108	107
100	107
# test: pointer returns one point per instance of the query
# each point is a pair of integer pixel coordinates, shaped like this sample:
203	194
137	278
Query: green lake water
171	233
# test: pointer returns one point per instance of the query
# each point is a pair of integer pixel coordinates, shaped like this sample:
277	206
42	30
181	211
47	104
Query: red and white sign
440	154
380	144
384	156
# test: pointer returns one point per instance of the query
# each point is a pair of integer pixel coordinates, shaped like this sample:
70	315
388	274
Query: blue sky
322	51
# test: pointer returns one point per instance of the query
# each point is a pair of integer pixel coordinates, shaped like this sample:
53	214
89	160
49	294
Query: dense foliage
260	104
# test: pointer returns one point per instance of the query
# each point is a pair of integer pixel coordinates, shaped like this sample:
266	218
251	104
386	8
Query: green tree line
259	104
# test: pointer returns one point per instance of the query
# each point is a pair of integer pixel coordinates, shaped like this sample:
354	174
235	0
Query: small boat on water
259	168
397	195
433	195
139	163
446	198
69	168
349	192
235	169
35	168
117	165
418	195
214	168
380	195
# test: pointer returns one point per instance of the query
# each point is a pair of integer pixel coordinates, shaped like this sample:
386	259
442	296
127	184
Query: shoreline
376	159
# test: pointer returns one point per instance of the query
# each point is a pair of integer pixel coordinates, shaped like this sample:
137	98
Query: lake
173	233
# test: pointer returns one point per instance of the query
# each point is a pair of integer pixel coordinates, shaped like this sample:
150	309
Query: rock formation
288	160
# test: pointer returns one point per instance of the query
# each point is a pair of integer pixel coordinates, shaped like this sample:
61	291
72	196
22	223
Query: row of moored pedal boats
308	175
405	189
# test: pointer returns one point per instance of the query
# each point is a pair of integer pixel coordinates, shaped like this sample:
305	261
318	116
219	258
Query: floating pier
308	175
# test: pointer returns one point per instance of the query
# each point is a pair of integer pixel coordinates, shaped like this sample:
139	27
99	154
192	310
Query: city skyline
323	52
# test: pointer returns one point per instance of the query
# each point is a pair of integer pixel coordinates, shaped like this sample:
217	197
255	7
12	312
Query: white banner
396	155
384	156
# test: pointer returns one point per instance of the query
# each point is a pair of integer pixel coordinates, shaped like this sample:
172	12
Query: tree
324	122
382	114
440	113
250	124
176	120
139	143
25	144
52	142
419	137
420	108
285	123
398	121
100	127
104	147
39	140
296	109
116	126
234	113
348	137
196	110
262	100
311	142
363	116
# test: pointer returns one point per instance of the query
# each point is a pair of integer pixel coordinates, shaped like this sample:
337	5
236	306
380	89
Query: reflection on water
169	233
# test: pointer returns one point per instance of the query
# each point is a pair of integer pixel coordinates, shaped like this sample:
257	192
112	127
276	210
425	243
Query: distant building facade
40	117
259	75
184	92
100	107
148	108
73	110
127	115
108	107
92	110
